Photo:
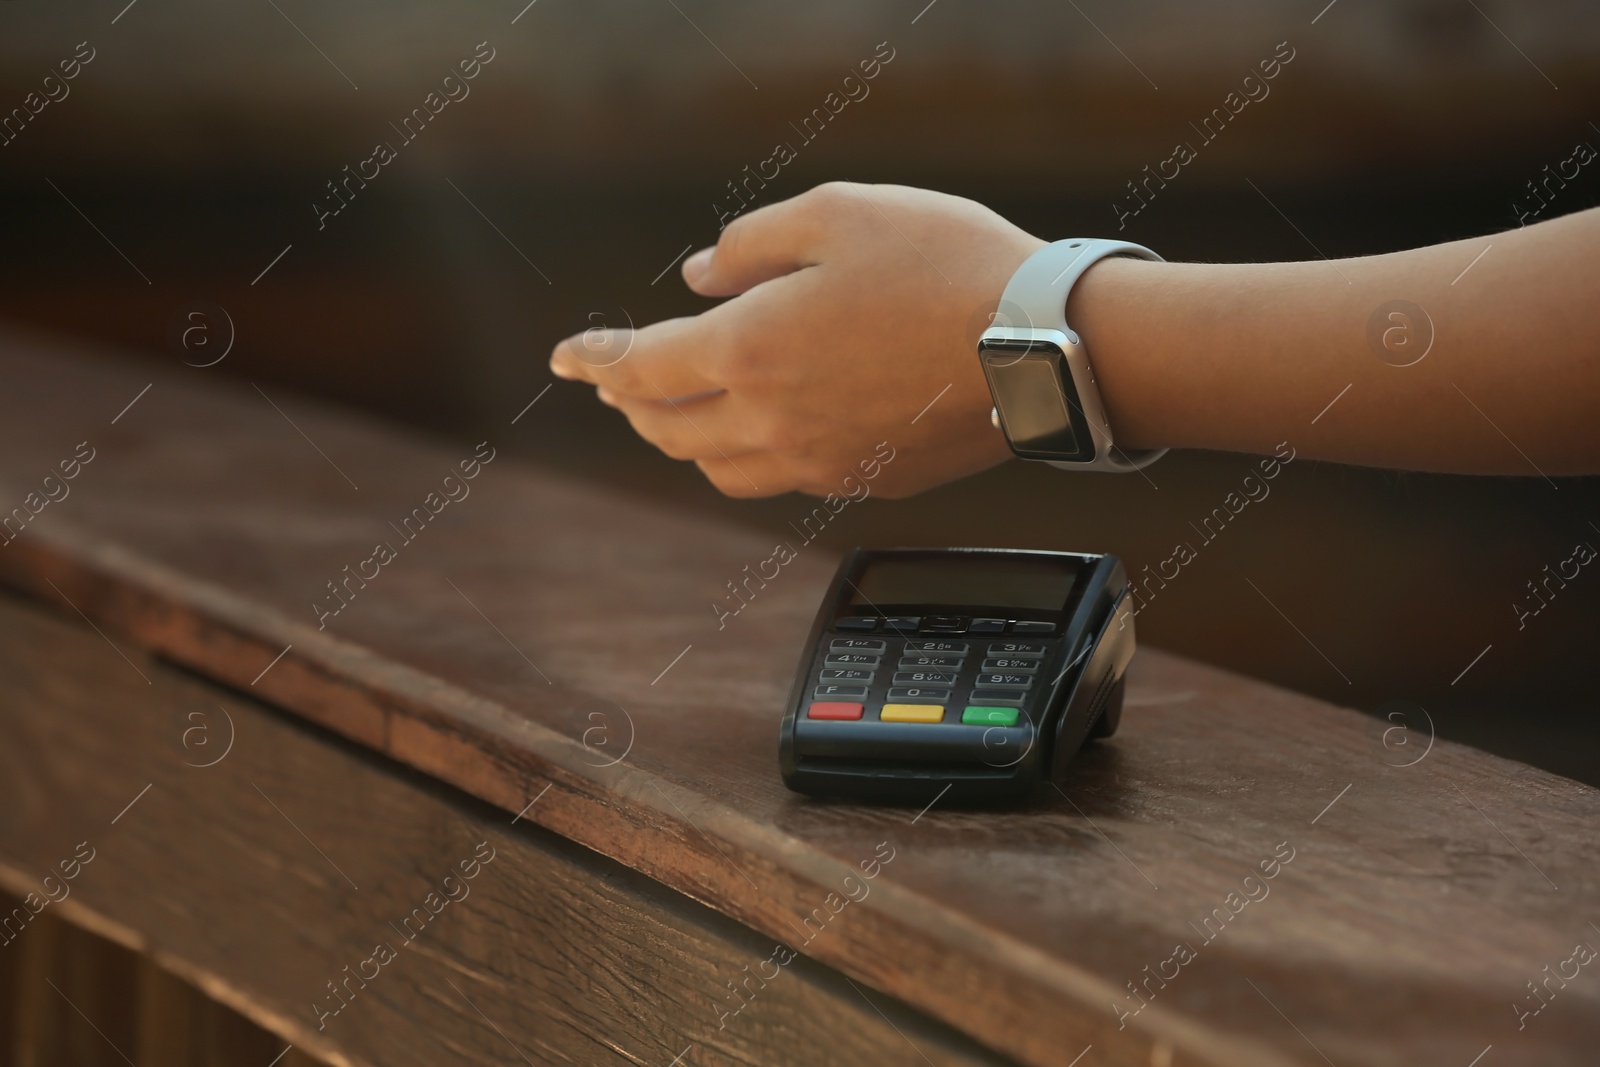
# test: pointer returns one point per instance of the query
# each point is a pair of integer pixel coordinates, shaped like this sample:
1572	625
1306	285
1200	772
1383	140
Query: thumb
753	248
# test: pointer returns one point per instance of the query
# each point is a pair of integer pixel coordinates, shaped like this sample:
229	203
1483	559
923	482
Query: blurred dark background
591	151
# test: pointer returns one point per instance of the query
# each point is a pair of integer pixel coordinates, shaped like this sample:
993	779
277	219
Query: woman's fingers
848	336
700	427
766	243
664	359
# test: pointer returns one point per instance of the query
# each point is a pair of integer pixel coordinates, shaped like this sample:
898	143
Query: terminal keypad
888	677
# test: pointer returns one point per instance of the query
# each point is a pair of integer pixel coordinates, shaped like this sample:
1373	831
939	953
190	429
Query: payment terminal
980	669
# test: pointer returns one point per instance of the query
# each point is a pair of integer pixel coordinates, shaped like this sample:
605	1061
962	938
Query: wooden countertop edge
218	988
229	639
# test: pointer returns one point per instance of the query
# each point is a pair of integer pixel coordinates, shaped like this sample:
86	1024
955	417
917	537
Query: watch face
1037	400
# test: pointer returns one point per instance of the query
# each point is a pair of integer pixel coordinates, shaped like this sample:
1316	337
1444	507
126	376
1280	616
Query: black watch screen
1037	400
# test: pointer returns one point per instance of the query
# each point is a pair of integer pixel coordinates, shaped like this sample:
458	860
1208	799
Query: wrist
1109	309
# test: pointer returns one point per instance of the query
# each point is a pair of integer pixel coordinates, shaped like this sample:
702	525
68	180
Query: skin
856	309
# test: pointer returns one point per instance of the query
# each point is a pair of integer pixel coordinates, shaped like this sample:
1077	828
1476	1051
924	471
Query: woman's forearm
1242	357
855	313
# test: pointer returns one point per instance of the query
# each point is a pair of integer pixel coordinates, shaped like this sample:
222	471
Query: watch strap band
1036	298
1037	293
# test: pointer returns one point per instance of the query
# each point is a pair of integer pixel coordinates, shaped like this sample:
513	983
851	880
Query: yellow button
912	713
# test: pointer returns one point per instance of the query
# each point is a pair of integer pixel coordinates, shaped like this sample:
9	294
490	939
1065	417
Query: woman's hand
855	319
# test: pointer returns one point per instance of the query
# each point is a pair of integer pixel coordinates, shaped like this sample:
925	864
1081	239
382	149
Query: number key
1016	648
857	644
1011	663
911	663
938	648
1004	681
936	678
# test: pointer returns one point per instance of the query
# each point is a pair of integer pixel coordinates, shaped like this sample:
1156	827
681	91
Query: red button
829	709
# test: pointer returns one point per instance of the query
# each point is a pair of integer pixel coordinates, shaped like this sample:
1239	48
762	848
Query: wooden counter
551	651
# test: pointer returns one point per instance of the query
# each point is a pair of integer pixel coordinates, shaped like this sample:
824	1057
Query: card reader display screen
1032	584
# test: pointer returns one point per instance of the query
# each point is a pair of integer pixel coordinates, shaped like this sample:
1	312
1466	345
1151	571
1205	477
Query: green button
985	716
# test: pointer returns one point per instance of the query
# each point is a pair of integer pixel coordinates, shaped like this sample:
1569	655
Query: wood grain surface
71	998
263	857
543	639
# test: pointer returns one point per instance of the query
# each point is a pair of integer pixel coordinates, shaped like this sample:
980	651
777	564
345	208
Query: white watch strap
1036	298
1040	287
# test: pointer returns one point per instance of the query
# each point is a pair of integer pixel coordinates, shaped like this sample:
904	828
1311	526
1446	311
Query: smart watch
1046	401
